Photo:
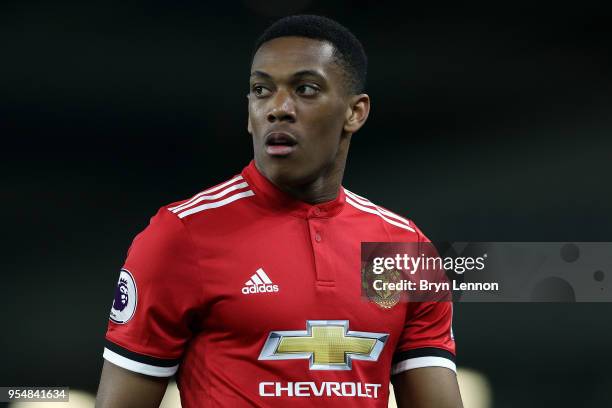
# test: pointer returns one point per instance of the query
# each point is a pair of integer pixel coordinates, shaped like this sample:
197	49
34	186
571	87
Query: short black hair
348	51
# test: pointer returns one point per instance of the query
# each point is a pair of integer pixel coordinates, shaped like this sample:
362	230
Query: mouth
280	144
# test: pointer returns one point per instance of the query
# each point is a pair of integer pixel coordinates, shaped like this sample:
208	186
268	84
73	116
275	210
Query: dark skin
299	94
297	87
433	387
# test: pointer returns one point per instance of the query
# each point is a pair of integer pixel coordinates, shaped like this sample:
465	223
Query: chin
283	171
290	170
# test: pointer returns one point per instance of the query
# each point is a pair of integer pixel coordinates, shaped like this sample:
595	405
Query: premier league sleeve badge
126	298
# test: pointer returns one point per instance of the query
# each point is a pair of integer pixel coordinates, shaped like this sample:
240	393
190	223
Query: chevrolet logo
328	344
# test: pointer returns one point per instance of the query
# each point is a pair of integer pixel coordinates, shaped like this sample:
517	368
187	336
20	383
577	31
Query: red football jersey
255	298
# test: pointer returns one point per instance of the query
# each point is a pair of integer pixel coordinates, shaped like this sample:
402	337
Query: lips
280	144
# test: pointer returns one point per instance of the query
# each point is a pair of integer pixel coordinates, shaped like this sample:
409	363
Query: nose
282	108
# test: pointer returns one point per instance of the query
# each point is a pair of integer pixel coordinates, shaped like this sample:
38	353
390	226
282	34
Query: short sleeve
156	299
427	338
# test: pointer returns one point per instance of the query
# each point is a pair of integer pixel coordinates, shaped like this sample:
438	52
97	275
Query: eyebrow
299	74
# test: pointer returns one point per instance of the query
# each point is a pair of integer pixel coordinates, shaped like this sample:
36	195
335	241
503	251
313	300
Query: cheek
329	124
256	116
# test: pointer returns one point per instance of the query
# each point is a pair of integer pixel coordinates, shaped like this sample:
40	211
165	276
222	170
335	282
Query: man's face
297	109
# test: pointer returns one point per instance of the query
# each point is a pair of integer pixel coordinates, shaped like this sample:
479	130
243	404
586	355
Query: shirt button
318	237
317	211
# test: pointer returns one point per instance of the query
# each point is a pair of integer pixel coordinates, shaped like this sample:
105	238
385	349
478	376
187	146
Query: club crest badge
386	299
126	298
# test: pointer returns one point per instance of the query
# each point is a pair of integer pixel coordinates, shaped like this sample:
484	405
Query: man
251	289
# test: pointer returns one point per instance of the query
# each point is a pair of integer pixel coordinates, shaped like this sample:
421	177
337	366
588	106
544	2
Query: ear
357	113
249	128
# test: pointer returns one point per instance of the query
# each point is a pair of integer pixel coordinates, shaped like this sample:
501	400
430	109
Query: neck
322	189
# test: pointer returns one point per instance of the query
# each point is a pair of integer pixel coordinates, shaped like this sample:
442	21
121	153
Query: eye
260	91
307	90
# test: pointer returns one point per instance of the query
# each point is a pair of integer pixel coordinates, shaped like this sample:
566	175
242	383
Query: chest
282	274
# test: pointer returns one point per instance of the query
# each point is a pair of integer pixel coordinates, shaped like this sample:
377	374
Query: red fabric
190	273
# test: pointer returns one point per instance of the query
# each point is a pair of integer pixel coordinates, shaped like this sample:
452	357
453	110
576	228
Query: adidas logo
259	283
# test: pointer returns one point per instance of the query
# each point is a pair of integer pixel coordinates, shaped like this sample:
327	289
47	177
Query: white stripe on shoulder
368	203
137	366
353	194
209	197
207	191
375	211
216	204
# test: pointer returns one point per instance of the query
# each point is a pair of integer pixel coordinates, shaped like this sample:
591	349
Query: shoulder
207	202
169	227
374	213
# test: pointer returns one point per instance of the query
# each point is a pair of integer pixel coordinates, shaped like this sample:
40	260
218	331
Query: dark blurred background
489	123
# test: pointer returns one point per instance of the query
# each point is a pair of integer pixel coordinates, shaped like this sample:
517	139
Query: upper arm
121	388
153	314
427	339
424	371
428	387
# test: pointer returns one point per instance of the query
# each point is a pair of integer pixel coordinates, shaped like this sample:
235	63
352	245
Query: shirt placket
318	224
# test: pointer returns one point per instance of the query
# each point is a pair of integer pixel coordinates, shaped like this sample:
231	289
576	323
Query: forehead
285	55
